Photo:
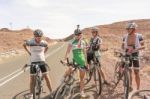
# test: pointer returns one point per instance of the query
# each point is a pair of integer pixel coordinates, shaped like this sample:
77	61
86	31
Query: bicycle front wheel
36	90
98	81
117	74
126	84
61	92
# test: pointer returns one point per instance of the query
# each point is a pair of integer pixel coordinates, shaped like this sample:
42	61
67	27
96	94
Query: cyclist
38	48
133	42
78	47
93	50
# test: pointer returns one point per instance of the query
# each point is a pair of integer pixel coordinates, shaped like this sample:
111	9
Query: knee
137	74
46	77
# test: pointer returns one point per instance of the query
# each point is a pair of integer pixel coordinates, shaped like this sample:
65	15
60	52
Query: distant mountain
112	33
13	39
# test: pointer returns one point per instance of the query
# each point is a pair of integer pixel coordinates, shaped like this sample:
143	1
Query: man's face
94	33
38	38
131	30
78	36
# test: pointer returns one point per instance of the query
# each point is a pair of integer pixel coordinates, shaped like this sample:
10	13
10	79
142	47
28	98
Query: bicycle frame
68	83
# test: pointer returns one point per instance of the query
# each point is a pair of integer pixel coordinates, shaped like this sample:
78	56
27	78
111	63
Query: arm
141	40
122	46
142	46
68	51
25	47
46	49
85	55
123	43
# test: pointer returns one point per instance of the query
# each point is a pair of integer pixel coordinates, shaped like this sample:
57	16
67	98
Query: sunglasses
77	34
93	31
37	36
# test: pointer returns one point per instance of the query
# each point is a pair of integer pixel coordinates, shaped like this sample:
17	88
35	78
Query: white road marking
20	71
10	74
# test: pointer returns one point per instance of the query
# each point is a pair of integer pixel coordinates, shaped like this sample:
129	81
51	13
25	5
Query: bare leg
31	83
82	75
68	72
137	78
130	72
48	82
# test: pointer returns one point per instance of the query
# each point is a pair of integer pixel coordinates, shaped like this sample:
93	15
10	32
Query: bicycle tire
88	76
61	91
36	90
126	84
138	91
116	73
98	81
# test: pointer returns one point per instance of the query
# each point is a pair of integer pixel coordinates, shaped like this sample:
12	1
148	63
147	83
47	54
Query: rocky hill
13	39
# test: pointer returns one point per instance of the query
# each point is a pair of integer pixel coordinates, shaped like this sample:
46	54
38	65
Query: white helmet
94	29
131	25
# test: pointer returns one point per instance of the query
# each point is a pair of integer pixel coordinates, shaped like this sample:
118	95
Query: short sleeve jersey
37	50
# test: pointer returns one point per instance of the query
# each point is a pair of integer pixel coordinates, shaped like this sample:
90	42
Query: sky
58	18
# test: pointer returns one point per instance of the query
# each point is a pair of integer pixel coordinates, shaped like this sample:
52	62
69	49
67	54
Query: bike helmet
94	29
131	25
38	32
77	31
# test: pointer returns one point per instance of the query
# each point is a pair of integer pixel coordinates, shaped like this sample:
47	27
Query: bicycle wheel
140	94
88	76
126	84
98	80
36	89
61	91
117	73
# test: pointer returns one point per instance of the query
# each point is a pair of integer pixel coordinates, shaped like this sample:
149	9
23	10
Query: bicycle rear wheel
98	80
88	76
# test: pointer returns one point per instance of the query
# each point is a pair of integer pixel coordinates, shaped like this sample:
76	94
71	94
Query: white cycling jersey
37	50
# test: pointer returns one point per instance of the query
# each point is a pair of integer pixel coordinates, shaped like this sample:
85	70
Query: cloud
59	18
38	3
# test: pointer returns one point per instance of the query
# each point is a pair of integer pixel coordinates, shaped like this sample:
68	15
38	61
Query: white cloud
38	3
59	18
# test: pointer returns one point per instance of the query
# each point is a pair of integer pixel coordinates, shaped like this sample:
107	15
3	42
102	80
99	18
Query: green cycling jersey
78	47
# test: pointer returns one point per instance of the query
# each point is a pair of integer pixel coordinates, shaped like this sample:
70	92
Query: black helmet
38	32
77	31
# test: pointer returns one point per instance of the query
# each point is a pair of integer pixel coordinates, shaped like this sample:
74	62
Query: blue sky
58	18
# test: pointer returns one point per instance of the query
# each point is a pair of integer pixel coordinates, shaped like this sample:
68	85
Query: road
14	83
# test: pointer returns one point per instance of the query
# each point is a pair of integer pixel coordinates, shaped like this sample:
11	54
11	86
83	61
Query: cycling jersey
138	39
78	47
94	46
137	42
37	50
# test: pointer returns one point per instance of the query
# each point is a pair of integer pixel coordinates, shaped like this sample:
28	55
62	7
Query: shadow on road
22	95
108	92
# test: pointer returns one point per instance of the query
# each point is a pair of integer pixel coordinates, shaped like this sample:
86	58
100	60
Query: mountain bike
67	87
140	94
94	72
121	71
37	82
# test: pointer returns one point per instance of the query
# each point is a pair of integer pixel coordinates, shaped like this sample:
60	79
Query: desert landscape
112	39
